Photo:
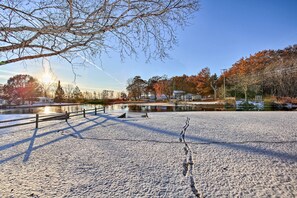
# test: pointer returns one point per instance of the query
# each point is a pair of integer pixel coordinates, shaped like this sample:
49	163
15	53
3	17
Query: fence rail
61	116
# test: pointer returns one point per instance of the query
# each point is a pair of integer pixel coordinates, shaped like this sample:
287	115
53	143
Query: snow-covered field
229	154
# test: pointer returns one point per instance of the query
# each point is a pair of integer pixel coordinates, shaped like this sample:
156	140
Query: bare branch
33	29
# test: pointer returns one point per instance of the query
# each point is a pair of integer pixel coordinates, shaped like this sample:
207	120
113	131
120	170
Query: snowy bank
243	154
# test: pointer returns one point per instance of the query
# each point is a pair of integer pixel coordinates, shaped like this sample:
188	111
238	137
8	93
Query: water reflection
137	108
48	109
109	108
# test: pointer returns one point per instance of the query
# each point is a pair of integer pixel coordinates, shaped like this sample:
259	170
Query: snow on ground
234	154
14	116
18	119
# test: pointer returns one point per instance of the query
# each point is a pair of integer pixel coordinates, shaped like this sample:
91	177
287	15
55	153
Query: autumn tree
183	83
33	29
150	88
202	82
22	87
164	86
244	80
268	72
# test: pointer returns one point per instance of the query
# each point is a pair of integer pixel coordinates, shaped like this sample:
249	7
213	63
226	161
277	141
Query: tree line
270	73
25	88
204	83
267	73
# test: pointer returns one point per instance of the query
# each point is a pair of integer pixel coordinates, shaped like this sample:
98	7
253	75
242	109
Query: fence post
95	111
66	116
36	124
84	111
103	109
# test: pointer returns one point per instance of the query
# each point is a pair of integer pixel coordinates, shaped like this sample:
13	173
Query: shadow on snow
194	139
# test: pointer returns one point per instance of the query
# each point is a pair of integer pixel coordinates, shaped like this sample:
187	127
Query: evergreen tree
59	94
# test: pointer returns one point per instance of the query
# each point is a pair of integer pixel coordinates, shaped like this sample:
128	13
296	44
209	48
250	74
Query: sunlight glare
46	78
47	110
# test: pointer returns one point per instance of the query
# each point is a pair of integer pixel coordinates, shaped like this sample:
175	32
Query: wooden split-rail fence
43	118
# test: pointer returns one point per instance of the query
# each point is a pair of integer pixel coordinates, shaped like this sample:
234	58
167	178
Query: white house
42	100
162	97
3	102
178	94
181	95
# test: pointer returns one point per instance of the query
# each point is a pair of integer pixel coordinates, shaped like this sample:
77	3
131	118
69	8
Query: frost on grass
233	154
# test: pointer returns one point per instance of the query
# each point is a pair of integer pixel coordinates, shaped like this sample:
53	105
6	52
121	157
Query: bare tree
99	95
111	94
87	95
51	90
32	29
105	94
68	89
245	83
213	81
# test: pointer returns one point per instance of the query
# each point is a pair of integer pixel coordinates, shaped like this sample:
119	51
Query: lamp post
223	71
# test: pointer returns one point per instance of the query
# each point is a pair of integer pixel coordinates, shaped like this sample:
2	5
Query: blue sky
220	33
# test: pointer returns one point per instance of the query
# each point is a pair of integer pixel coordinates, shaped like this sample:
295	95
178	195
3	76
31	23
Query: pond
161	108
47	109
110	108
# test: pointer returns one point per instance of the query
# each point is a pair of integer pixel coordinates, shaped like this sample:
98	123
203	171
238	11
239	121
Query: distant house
3	102
42	100
152	97
162	97
196	97
178	94
182	95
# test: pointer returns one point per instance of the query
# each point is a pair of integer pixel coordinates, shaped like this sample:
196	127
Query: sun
46	78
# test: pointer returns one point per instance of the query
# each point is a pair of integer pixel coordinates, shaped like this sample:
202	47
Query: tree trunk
215	94
245	95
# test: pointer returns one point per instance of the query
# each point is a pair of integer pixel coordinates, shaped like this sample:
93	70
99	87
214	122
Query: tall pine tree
59	94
